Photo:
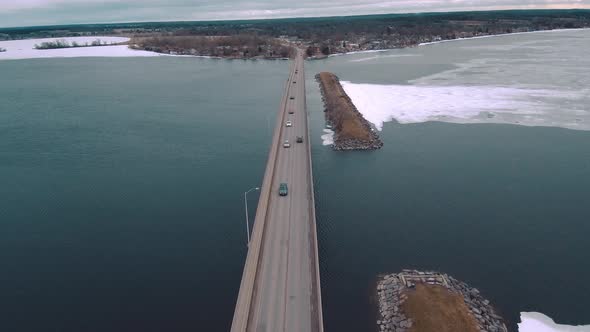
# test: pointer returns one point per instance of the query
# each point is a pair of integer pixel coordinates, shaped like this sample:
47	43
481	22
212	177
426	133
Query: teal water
123	179
121	204
502	208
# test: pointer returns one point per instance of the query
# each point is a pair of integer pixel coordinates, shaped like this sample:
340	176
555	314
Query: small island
352	130
428	301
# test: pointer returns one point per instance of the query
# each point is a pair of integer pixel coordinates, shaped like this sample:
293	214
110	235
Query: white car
286	144
288	124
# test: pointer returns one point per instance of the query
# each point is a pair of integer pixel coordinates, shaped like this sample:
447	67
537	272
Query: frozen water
25	49
534	79
537	322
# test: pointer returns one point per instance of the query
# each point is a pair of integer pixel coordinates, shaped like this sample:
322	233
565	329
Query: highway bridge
280	287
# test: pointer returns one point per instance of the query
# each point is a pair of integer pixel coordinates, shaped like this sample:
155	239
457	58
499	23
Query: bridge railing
316	284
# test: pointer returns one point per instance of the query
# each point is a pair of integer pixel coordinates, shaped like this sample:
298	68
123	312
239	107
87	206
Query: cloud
45	12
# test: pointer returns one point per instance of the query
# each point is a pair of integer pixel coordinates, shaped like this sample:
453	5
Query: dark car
291	111
283	190
291	97
299	139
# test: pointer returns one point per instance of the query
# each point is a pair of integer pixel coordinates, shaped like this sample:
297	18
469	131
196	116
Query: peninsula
352	130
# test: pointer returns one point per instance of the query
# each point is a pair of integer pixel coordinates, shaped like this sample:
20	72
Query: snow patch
328	137
537	322
25	49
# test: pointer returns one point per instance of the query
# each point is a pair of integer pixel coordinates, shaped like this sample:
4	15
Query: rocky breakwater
351	130
431	301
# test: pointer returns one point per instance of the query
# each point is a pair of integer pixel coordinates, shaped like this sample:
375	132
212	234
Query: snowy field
25	49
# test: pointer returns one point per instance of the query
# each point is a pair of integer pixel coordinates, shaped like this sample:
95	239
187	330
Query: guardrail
316	285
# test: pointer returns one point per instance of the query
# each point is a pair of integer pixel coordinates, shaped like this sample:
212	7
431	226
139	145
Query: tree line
242	46
62	43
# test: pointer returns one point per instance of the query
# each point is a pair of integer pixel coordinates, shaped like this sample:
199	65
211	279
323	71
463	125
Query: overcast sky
43	12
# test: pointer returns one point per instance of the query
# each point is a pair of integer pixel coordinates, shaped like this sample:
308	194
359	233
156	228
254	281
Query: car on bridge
291	111
299	139
286	144
289	124
291	97
283	190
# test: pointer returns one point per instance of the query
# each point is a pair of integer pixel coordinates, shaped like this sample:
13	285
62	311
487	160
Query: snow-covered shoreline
25	48
499	35
361	52
455	40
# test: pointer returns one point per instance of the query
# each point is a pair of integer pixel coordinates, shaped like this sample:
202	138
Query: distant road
280	288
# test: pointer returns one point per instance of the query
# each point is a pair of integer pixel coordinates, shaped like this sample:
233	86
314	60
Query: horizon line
294	17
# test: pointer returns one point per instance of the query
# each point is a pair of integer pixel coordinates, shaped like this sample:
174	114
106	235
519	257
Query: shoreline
128	50
453	40
363	52
499	35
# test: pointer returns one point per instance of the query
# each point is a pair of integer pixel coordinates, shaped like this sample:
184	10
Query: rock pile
391	294
352	130
488	320
357	144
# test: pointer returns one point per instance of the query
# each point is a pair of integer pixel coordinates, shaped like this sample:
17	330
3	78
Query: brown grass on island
239	46
346	122
352	131
433	308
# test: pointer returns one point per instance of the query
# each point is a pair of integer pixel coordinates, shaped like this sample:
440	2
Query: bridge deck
280	285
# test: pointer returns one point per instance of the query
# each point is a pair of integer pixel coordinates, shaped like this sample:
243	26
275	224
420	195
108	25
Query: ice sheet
468	104
25	49
537	322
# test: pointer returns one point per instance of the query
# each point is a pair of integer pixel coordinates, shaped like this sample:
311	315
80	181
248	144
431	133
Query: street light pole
246	206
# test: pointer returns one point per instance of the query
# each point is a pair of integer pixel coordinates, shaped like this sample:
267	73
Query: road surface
280	288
